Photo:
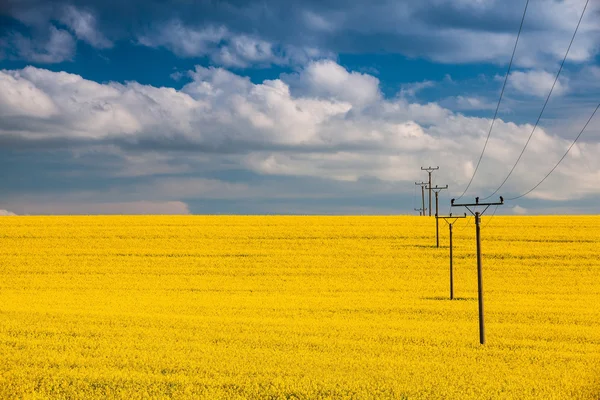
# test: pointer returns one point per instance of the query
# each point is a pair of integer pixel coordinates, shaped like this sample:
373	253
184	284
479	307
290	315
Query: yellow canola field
297	307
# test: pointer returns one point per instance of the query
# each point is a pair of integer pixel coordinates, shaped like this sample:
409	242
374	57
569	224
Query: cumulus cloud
411	89
108	208
518	210
184	41
6	213
83	24
78	103
20	97
317	22
53	46
537	83
224	47
442	31
242	51
467	103
327	79
322	122
470	31
52	33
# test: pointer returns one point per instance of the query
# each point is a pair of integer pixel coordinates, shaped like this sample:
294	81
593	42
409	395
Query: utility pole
429	171
478	215
422	184
453	218
437	190
420	210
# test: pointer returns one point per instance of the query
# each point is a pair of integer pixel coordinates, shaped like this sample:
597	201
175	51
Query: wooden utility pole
478	215
450	224
437	190
422	184
429	171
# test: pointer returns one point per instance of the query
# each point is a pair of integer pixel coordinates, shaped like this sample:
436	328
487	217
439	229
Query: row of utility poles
435	189
450	220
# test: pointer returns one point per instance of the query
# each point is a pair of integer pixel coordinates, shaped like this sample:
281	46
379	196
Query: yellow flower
297	307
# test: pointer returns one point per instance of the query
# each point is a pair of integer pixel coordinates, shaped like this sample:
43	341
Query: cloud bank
323	122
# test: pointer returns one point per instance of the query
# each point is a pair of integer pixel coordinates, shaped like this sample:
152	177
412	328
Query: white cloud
519	210
83	23
328	79
226	48
107	208
472	31
6	213
411	89
537	83
184	41
45	42
242	51
20	97
86	109
323	122
318	22
443	31
56	47
467	103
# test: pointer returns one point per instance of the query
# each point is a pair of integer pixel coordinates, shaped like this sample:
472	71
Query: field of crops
297	307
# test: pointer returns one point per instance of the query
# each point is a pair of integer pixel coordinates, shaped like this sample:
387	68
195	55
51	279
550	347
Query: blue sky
296	107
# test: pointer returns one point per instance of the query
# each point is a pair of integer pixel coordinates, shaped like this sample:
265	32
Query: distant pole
478	215
429	193
429	171
423	199
422	184
420	210
450	224
437	189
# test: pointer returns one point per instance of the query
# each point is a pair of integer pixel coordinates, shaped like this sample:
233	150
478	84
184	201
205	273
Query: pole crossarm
438	188
422	184
430	169
476	204
453	217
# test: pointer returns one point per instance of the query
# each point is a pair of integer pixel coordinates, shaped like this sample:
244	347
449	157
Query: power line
499	101
490	220
545	104
585	159
562	158
464	225
449	206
